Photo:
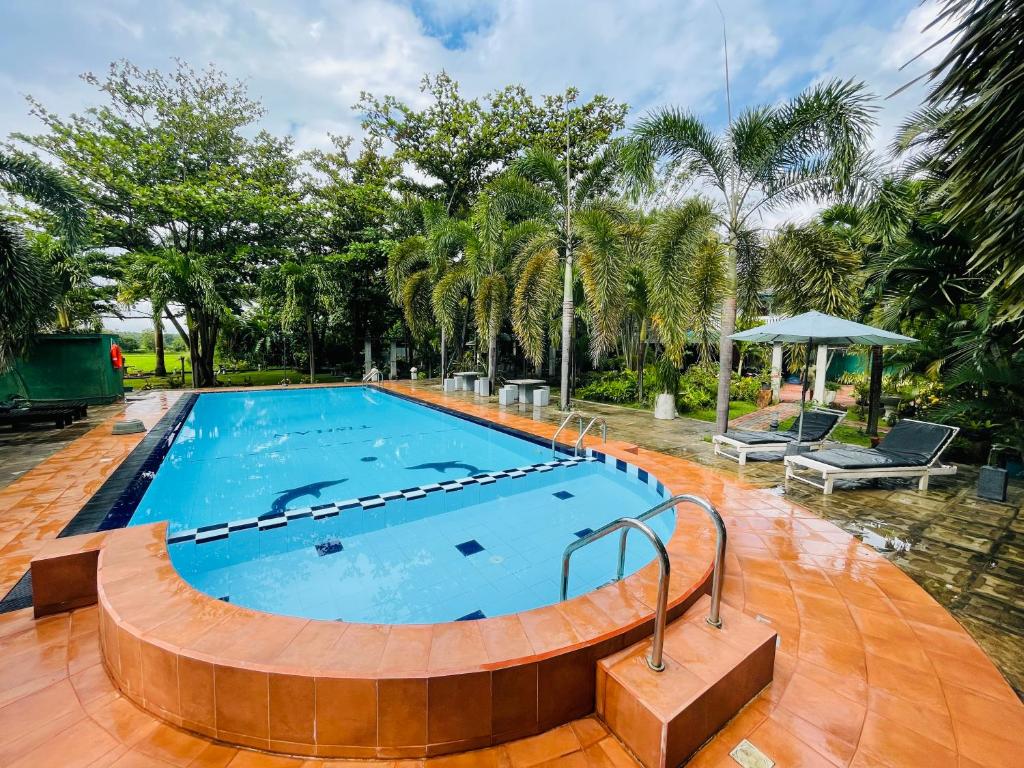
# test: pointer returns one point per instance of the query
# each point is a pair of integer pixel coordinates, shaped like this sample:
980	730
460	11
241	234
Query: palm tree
813	267
27	294
305	281
977	88
540	187
415	266
663	267
809	148
482	250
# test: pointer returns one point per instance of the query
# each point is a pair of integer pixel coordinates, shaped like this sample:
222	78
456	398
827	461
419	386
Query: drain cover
749	756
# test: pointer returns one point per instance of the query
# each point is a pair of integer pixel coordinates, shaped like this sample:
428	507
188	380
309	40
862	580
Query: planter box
665	406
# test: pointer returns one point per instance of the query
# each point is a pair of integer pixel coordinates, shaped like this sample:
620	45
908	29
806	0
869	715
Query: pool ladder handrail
573	414
714	615
714	618
583	433
655	661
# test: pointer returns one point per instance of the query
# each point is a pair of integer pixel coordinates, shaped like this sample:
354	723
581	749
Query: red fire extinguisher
116	359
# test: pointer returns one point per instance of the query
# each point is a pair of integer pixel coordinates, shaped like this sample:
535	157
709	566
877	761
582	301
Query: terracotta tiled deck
870	669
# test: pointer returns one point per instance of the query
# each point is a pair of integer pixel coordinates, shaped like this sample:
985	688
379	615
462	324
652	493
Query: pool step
710	674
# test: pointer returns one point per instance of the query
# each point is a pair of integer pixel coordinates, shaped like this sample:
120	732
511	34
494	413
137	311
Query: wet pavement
968	553
23	448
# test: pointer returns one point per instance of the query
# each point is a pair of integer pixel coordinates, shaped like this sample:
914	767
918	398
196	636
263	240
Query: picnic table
526	387
466	378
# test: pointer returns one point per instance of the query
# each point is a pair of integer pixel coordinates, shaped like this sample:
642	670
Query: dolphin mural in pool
291	494
444	466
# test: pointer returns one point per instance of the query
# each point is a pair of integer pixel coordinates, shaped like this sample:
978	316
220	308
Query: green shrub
609	387
744	388
698	387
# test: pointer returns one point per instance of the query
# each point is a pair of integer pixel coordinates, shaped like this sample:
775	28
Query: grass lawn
145	362
736	408
242	379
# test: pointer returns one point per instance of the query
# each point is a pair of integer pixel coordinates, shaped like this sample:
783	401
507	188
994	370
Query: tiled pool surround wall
336	689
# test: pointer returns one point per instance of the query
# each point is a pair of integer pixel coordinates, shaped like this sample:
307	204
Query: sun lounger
738	444
61	416
80	408
910	449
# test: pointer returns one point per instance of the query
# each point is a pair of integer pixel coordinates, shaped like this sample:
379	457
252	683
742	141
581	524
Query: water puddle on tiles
881	538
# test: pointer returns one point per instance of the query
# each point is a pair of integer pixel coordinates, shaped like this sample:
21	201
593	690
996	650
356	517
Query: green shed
69	366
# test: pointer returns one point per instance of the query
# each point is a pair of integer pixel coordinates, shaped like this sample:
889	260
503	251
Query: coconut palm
481	250
809	148
27	293
540	186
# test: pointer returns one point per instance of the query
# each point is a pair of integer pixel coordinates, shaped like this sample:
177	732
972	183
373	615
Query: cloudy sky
308	61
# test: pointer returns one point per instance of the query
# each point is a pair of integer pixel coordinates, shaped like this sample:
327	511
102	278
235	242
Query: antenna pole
725	49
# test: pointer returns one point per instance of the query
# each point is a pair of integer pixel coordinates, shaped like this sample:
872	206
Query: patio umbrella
817	328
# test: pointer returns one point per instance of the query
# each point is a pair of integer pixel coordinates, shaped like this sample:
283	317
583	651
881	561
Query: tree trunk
641	355
312	344
193	349
875	391
567	318
728	325
160	369
444	353
492	356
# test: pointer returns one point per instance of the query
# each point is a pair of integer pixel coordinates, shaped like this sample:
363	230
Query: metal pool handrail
583	432
714	615
572	415
654	661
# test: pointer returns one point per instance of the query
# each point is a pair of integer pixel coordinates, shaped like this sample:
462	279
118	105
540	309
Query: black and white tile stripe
270	521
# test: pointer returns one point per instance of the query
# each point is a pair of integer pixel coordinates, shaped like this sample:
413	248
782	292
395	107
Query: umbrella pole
803	393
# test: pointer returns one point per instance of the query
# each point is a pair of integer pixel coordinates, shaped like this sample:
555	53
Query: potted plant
831	390
667	375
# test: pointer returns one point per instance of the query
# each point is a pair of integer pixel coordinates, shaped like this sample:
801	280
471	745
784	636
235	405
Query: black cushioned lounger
737	443
911	449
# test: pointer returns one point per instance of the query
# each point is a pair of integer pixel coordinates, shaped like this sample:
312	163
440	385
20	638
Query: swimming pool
355	504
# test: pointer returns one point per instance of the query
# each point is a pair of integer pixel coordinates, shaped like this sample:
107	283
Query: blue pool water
357	505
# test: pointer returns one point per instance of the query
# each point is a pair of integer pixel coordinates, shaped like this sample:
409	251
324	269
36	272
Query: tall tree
172	172
415	266
27	293
307	285
483	249
540	185
809	148
977	88
459	144
812	267
353	215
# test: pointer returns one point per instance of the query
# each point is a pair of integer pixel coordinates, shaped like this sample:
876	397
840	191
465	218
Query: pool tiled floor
870	670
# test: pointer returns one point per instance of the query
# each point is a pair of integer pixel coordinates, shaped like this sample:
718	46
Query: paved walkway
21	449
43	499
871	671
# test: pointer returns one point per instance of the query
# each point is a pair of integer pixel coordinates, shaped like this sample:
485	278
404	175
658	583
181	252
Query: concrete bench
508	395
542	395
